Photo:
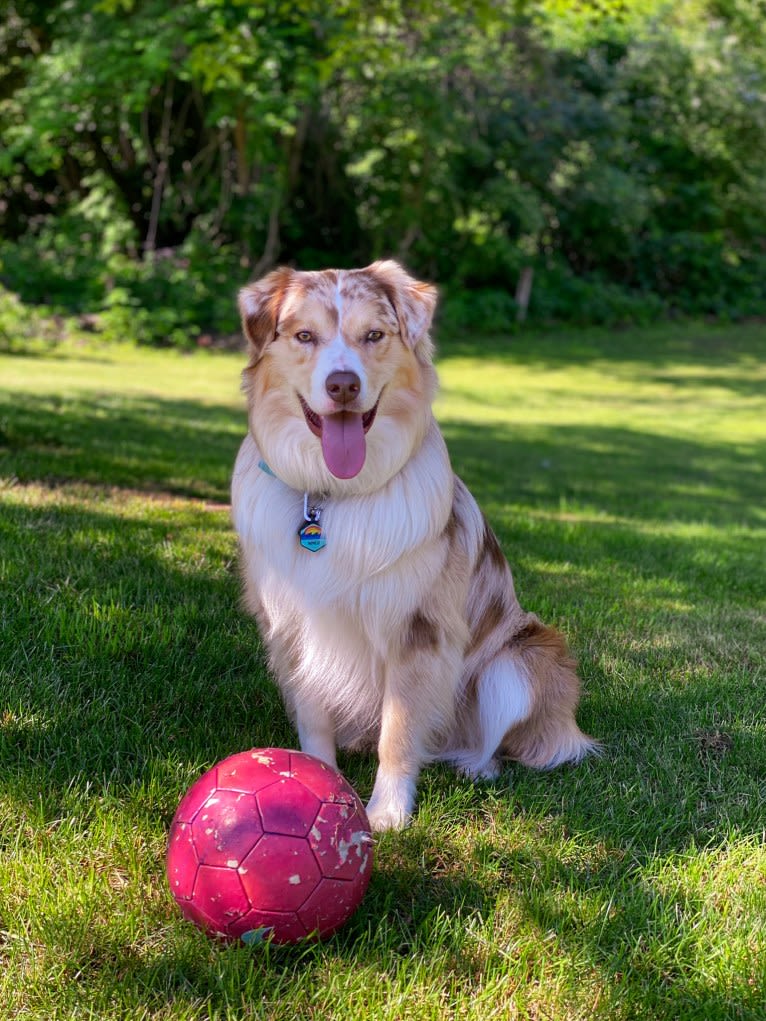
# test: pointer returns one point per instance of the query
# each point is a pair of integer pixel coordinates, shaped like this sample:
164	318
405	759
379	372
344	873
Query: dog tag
310	536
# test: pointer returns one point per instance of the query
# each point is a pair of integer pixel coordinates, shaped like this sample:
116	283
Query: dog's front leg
400	756
316	732
418	701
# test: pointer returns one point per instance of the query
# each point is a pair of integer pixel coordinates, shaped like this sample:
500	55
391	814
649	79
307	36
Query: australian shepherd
382	594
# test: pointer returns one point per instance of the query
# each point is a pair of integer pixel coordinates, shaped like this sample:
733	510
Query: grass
624	475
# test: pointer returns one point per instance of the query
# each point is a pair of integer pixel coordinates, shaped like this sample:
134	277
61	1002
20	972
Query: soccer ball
269	844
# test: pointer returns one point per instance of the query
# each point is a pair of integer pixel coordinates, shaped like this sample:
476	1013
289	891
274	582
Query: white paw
386	817
390	807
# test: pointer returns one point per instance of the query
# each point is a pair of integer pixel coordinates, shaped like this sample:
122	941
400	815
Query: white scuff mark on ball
355	840
212	801
316	833
294	880
232	863
263	760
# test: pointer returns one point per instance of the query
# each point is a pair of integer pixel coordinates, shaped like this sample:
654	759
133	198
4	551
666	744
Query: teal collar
310	536
265	468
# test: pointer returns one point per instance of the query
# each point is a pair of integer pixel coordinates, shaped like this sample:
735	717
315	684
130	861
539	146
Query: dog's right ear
259	305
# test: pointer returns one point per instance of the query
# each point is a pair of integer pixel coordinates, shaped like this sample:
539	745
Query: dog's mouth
343	437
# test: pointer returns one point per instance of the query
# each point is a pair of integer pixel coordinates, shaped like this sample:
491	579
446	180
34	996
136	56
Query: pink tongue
343	443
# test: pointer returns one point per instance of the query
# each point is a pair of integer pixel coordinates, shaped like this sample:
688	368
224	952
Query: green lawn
624	475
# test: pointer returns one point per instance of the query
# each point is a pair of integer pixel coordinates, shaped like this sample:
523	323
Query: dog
383	597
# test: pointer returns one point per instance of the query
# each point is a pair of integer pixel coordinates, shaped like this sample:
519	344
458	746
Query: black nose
343	387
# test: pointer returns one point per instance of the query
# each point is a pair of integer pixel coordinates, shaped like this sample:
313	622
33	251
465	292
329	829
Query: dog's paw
390	807
478	772
386	817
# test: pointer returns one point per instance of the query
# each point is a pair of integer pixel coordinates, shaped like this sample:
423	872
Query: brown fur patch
537	636
259	304
412	300
491	618
452	526
421	633
261	377
491	550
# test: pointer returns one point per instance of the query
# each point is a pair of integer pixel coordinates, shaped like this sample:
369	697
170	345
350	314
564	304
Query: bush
22	327
150	153
700	274
14	320
169	297
558	295
487	310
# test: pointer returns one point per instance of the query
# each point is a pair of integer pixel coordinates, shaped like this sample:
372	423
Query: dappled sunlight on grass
629	495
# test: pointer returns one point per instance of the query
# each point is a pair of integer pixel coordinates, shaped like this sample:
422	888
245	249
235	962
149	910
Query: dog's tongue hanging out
343	443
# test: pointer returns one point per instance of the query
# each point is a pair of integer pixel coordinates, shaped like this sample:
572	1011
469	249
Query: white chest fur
380	555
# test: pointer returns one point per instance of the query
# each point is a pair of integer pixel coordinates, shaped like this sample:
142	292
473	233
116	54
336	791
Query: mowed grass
624	475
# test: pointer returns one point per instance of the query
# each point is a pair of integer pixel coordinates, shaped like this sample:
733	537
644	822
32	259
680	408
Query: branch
271	248
161	173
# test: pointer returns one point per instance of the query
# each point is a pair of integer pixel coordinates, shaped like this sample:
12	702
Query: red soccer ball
269	844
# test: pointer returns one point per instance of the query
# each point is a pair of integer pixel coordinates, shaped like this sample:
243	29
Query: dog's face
340	378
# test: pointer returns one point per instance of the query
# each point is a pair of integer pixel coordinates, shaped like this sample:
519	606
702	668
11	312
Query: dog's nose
343	387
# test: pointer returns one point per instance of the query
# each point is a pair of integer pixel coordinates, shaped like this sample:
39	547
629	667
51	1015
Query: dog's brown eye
304	336
374	336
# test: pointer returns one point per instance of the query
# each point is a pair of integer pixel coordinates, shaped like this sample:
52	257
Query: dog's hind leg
550	735
522	706
501	700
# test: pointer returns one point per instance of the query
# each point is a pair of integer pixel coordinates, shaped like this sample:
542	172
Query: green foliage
14	320
479	308
23	328
565	296
167	151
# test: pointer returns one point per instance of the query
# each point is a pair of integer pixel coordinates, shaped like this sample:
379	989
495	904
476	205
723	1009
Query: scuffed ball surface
269	844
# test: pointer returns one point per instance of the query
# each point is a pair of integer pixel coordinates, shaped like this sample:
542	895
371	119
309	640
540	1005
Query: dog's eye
304	336
374	336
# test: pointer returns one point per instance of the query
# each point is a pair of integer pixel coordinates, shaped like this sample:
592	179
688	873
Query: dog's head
340	377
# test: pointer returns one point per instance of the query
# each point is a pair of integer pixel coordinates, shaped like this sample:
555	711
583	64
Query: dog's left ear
259	305
414	303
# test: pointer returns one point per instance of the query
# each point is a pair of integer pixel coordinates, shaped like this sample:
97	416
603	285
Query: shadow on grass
171	616
425	910
125	670
188	448
123	657
738	352
182	447
622	472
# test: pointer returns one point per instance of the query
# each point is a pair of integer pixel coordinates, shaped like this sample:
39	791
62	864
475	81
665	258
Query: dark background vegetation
155	154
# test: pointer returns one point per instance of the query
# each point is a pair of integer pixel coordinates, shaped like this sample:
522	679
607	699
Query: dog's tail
549	735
